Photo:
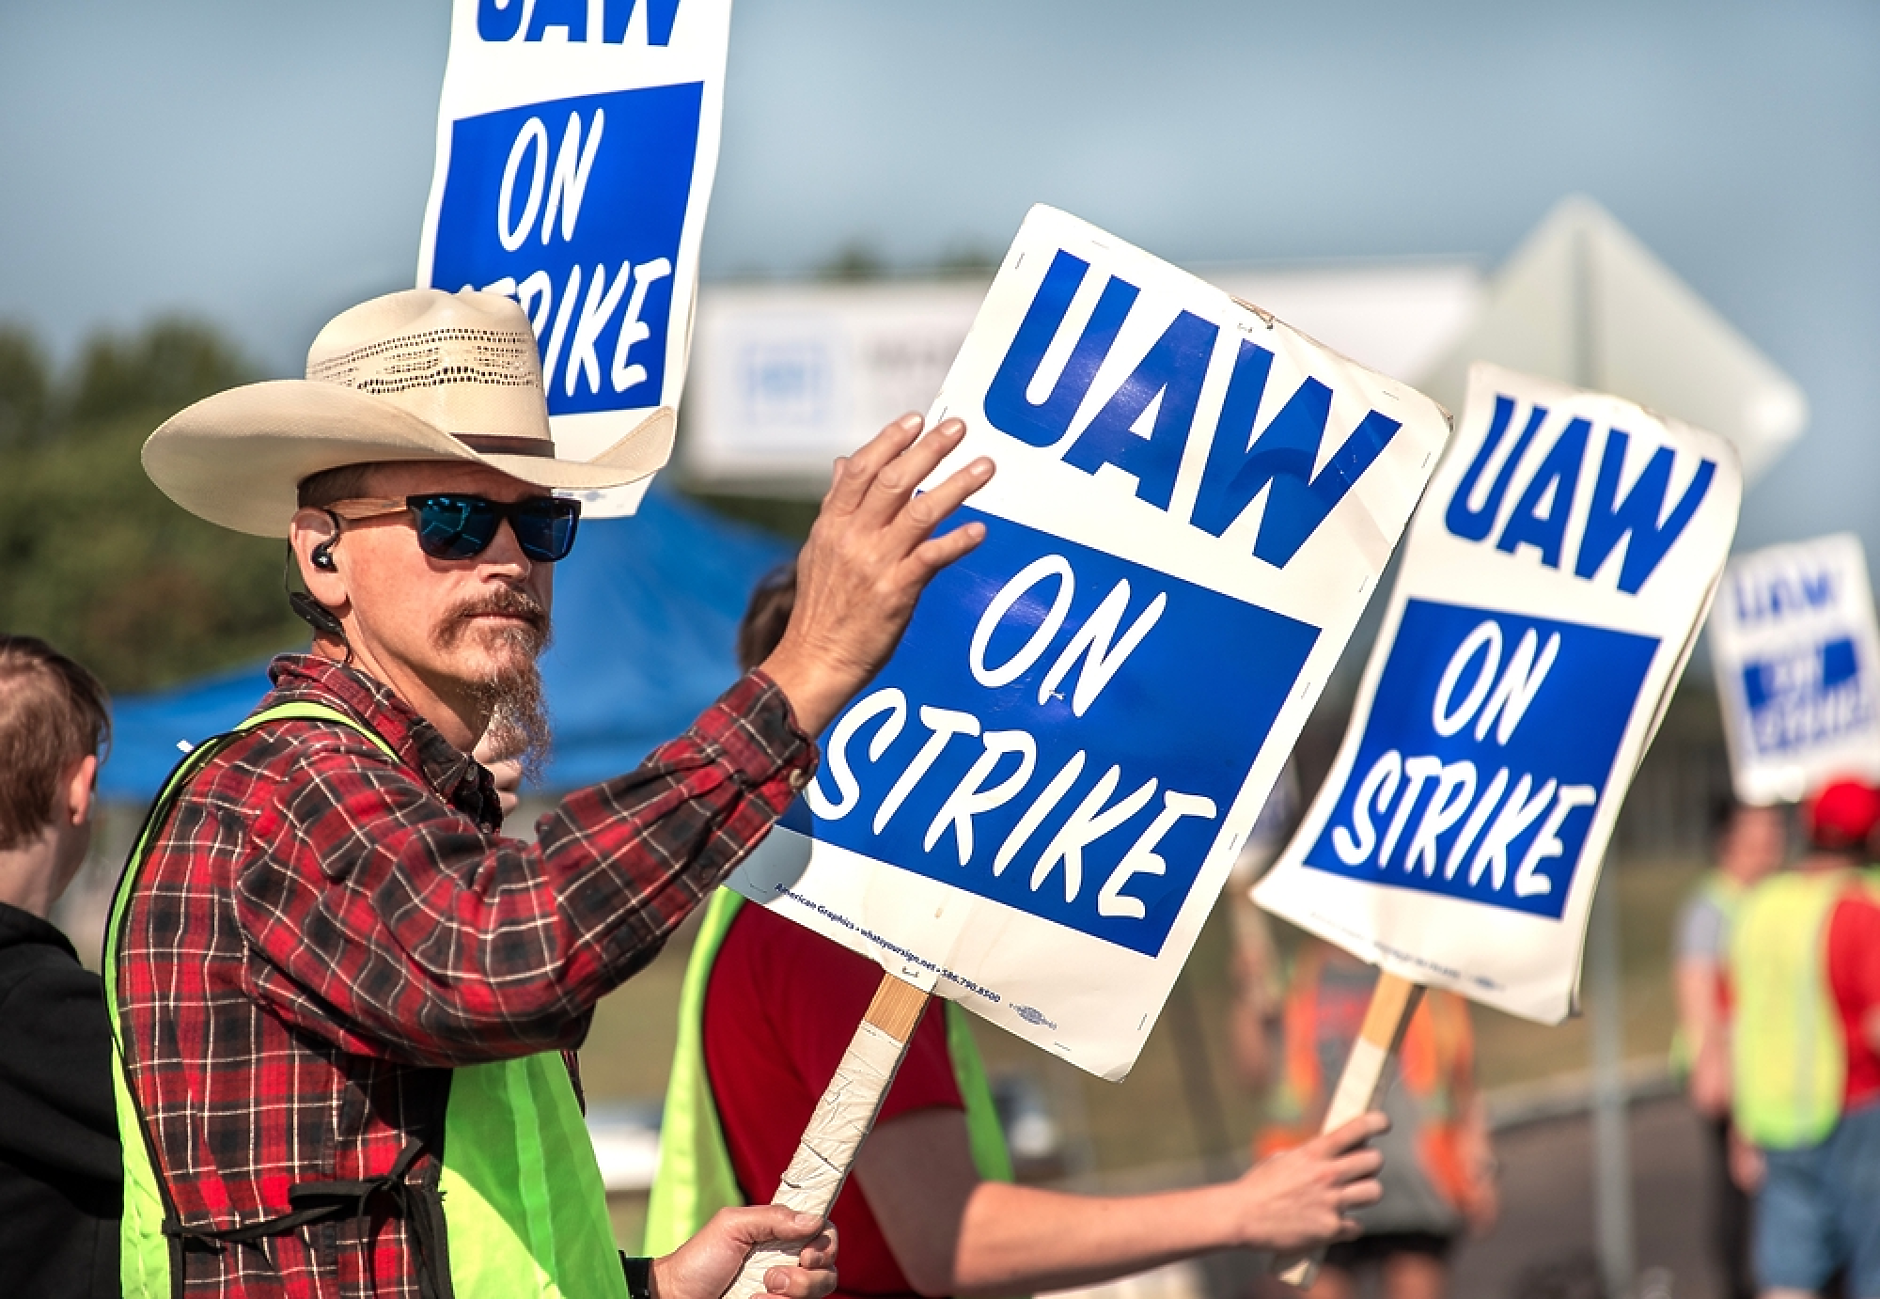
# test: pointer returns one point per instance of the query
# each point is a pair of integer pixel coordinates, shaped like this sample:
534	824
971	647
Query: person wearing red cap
1805	982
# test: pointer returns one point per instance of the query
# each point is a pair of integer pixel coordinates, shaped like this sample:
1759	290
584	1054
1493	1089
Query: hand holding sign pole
841	1120
1551	589
1031	808
1392	1004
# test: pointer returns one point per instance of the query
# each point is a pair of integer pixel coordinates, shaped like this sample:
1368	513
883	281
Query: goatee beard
518	726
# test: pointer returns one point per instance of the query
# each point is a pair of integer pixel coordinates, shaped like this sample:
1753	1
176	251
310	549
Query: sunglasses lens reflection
462	527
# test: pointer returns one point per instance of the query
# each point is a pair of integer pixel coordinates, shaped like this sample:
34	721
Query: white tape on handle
821	1164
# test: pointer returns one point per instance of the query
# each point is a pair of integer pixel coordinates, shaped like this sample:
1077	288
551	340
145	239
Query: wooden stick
841	1120
1393	1001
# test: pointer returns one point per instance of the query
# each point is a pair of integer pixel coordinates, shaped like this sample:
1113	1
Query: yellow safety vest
1788	1059
523	1210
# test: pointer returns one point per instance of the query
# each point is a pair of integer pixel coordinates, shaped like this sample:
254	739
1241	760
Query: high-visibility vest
695	1177
1788	1059
514	1206
1437	1044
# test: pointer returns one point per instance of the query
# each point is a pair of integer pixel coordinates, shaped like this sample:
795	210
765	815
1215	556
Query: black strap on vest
314	1202
338	1201
421	1206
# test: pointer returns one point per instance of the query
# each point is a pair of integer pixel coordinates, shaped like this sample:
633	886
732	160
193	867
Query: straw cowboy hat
417	375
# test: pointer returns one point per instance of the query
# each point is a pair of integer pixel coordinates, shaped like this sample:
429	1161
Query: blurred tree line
92	556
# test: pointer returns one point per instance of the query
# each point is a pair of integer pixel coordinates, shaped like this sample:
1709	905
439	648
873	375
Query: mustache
504	603
532	637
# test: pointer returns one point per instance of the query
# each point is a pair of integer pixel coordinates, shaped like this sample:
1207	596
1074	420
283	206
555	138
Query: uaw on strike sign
576	145
1797	661
1031	809
1551	590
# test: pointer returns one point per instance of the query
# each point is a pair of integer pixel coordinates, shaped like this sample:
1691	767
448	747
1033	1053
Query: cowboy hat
417	375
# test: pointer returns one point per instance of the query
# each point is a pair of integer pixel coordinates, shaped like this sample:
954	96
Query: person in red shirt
916	1216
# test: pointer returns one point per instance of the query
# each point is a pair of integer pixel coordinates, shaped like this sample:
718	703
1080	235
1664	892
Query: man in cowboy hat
337	989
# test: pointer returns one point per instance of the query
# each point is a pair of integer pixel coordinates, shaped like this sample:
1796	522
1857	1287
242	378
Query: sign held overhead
574	164
1797	659
1035	804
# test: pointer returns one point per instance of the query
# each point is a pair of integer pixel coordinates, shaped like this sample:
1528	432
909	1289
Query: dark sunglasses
452	525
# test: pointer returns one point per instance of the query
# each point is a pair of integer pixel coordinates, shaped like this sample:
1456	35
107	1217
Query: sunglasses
452	525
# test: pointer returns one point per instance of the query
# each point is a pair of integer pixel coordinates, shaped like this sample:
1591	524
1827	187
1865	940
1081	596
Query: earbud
322	557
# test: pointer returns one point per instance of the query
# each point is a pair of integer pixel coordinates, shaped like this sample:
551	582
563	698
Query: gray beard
518	726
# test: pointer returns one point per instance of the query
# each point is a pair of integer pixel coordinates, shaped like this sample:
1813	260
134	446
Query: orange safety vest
1438	1049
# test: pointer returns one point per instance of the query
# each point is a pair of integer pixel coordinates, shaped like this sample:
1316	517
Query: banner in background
1033	807
576	144
1550	593
786	377
1797	659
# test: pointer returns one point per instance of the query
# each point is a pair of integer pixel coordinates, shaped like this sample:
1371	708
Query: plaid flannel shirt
320	934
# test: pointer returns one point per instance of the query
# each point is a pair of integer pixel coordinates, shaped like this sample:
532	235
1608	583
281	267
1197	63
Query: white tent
1583	301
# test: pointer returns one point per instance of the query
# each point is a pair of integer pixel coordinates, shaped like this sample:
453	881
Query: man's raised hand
869	556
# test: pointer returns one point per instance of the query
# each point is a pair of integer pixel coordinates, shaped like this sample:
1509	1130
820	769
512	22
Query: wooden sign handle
841	1119
1393	1001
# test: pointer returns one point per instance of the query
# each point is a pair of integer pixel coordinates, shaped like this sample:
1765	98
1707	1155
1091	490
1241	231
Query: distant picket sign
576	147
1033	806
1550	594
1797	659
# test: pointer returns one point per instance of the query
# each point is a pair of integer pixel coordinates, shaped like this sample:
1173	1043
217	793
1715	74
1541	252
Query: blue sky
263	164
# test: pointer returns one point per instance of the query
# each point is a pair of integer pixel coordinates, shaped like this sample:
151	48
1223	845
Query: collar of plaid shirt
320	934
451	773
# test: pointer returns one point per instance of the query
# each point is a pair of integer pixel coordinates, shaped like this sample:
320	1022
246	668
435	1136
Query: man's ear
80	790
313	535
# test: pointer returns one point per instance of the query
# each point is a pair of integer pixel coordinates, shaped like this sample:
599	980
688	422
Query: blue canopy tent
646	612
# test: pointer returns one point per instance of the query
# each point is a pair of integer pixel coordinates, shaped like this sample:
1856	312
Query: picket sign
1552	586
576	146
1797	659
1032	808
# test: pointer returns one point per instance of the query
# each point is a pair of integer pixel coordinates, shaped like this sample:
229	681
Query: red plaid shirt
320	933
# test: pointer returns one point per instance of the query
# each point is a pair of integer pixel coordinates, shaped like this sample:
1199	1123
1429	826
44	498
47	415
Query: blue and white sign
576	146
1797	660
1034	805
1550	593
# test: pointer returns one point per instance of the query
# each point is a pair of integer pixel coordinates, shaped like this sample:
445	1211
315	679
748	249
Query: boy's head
54	724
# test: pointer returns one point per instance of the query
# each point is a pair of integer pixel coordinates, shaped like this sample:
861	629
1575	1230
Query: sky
262	165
